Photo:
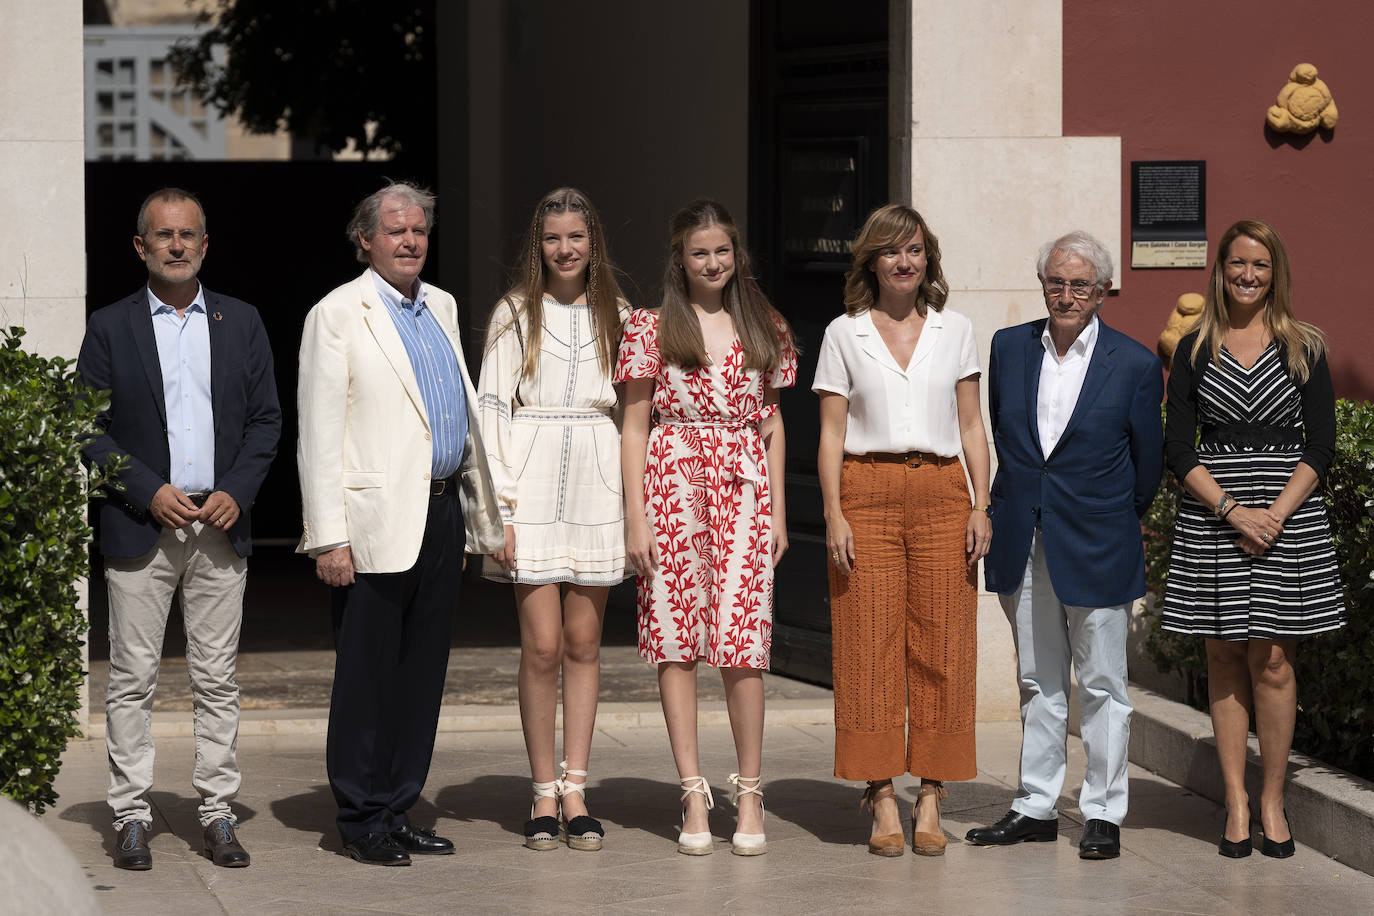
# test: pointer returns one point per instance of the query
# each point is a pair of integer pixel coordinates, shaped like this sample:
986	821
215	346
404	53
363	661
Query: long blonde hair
762	331
890	227
525	297
1302	342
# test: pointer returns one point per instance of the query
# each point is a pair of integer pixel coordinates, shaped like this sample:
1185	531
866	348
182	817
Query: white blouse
568	376
893	409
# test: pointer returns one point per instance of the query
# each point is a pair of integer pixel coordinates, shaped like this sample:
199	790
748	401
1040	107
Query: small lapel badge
218	316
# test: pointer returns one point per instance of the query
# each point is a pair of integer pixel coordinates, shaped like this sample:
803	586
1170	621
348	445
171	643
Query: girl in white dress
548	418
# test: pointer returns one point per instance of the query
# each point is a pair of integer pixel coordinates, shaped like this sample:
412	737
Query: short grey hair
367	216
1085	246
170	196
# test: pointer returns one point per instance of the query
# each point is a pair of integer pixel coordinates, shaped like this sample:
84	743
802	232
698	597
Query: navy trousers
391	639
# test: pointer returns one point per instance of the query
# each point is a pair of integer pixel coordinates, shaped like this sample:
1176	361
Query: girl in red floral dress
702	439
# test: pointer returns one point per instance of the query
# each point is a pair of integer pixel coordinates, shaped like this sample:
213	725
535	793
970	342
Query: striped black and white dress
1214	588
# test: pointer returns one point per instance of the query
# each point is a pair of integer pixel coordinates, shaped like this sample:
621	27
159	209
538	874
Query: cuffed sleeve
831	373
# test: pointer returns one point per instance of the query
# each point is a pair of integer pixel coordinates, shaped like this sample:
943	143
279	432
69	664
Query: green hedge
45	413
1335	670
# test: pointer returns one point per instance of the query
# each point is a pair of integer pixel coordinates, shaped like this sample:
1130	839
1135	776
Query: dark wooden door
818	161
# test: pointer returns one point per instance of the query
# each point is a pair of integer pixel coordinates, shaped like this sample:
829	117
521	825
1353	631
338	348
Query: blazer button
426	477
427	439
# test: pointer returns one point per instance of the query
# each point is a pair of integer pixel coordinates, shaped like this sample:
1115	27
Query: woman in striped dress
1253	568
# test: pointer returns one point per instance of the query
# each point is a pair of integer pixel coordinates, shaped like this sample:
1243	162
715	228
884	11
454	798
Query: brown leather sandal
888	844
928	844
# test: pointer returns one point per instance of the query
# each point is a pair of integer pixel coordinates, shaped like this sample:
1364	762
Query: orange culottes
904	624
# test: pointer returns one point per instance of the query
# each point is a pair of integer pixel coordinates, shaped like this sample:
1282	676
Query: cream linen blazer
365	453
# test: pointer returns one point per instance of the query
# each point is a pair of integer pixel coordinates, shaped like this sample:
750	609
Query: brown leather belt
910	459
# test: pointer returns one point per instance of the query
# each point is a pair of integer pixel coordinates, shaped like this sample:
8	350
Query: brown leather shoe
887	845
131	847
922	843
222	847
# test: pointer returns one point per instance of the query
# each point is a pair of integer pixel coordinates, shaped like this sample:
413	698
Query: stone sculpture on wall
1181	321
1304	104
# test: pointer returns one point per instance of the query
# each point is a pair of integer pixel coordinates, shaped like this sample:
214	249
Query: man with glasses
193	415
1075	419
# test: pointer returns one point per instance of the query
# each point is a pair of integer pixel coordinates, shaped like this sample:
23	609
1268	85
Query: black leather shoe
1101	840
131	847
1237	850
1279	850
377	848
419	841
1015	828
222	846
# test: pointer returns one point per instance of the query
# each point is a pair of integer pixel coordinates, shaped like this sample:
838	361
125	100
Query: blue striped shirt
436	371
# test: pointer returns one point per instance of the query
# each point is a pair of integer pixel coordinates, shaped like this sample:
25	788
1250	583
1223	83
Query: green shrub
45	412
1335	671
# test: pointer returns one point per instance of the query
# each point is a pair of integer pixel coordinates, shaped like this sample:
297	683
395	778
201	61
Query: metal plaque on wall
1169	213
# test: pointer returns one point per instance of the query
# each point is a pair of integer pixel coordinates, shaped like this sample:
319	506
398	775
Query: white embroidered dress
553	445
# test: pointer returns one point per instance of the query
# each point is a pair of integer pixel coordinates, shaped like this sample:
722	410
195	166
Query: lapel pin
218	316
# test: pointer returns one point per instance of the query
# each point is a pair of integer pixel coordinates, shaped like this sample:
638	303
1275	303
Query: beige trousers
200	567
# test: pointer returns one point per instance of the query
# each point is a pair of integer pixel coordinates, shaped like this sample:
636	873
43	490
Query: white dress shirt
892	409
183	351
1061	381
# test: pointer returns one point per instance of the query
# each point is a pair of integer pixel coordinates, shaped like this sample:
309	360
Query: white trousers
200	567
1049	635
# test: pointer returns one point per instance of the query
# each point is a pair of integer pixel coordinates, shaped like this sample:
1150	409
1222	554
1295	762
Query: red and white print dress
706	492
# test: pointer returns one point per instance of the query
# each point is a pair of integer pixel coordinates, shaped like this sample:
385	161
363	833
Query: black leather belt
198	499
443	486
1253	435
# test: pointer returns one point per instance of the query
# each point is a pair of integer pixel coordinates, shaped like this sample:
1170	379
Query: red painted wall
1179	79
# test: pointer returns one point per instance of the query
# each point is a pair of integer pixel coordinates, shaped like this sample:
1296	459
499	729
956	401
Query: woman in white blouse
547	409
897	377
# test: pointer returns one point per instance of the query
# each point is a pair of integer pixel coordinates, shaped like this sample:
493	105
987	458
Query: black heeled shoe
1235	850
1279	850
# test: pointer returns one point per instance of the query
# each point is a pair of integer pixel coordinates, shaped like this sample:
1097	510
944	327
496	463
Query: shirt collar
392	298
157	306
863	322
1081	345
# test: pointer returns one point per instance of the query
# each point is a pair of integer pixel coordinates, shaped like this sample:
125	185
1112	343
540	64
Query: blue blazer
119	353
1089	495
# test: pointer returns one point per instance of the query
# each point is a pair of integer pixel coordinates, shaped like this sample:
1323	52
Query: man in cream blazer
394	488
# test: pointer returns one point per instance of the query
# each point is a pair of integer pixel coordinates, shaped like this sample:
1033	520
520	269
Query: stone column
991	172
42	181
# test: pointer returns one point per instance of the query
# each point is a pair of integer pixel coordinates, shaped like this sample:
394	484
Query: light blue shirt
436	371
183	351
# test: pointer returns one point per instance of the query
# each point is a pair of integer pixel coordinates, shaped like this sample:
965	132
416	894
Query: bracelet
1220	509
983	509
1229	509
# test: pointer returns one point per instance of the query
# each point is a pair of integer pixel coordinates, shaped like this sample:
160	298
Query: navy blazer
119	353
1089	495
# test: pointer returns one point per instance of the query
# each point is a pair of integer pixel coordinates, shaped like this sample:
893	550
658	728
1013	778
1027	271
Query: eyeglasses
1079	289
162	238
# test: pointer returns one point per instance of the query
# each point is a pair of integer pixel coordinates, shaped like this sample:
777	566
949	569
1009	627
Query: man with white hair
394	487
1075	419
